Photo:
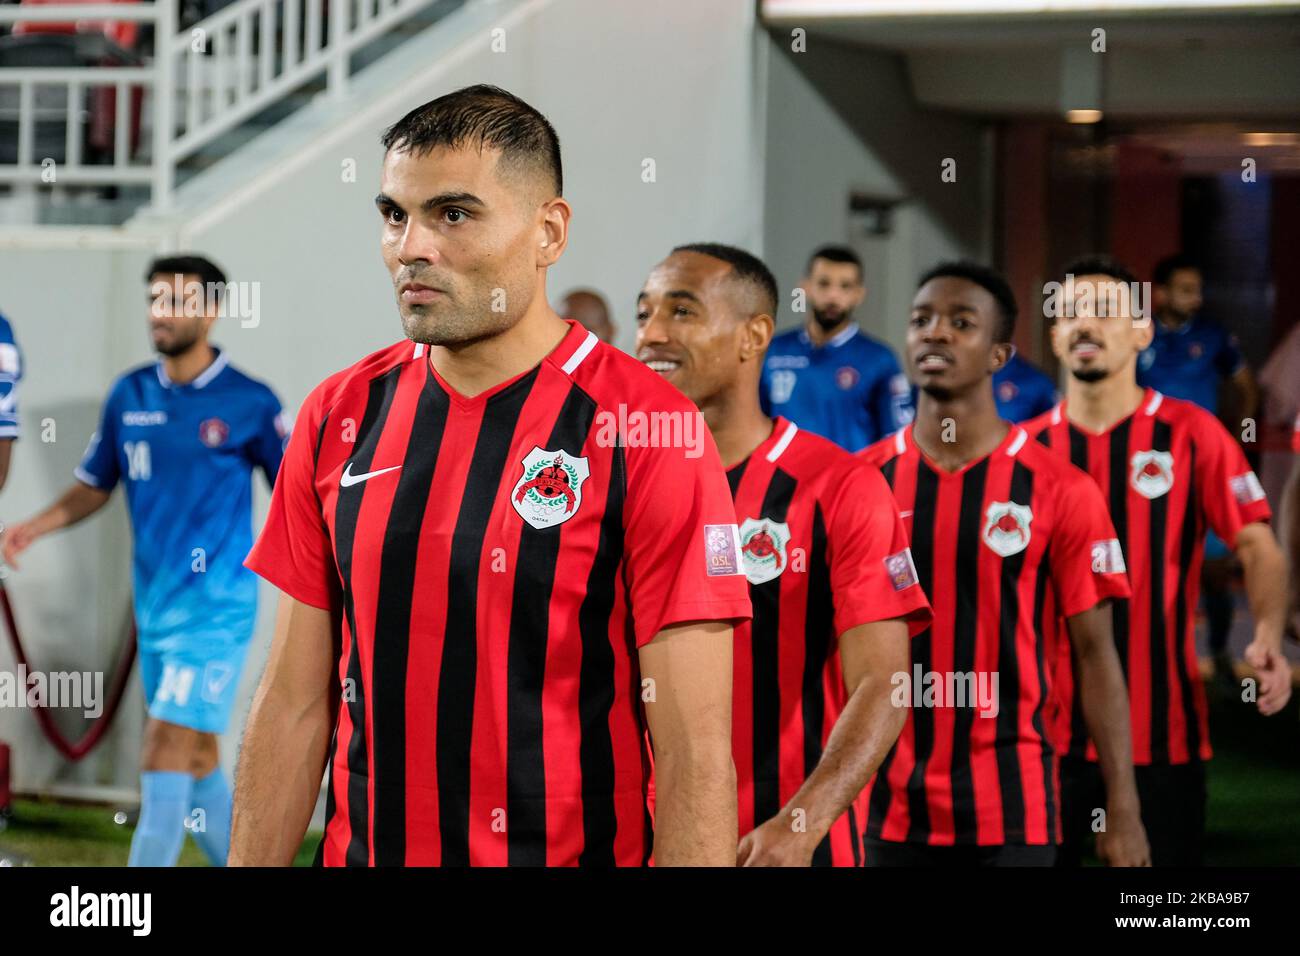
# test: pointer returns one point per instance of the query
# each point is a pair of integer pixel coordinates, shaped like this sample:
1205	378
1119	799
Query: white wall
842	119
676	82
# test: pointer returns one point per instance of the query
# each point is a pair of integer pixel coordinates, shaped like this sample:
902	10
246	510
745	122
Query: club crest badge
549	492
1006	527
1151	473
764	549
213	432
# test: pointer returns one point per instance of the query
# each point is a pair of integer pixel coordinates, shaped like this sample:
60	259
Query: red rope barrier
117	689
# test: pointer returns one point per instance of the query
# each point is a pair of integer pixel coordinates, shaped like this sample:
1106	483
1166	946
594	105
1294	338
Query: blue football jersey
1023	391
11	373
186	454
849	390
1190	362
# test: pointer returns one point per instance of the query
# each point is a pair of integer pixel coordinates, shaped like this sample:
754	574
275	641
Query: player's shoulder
358	376
1181	415
1050	470
6	331
1040	423
871	349
134	381
791	340
236	378
809	455
611	378
885	449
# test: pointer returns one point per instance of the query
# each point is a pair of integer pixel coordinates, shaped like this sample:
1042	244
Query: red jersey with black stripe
497	561
825	551
1001	545
1167	473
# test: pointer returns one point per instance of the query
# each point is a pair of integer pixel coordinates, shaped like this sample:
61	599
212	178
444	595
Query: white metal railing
199	83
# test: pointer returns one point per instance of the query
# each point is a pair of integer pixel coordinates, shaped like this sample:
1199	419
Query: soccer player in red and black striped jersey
1007	540
830	577
1168	470
508	589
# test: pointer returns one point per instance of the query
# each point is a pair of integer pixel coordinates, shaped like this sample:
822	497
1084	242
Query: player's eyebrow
683	294
433	202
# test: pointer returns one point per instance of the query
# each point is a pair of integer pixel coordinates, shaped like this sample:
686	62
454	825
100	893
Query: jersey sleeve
1087	561
891	400
873	577
99	465
272	437
11	373
1230	493
294	551
681	543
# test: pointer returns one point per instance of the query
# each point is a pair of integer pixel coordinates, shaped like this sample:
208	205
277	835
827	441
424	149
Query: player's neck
1098	406
819	336
1172	320
188	365
476	367
956	431
738	427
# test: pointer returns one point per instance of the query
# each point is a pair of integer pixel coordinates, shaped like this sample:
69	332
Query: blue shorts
1215	547
192	684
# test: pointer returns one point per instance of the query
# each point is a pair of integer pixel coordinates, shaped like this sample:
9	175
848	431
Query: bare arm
1243	381
871	655
1099	682
689	715
6	453
1264	567
1291	540
283	755
78	502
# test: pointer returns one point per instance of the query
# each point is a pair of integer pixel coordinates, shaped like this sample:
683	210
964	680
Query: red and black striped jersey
825	550
497	561
1001	545
1167	472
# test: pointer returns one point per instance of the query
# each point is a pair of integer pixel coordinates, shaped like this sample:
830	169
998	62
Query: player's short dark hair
209	272
835	254
1096	264
990	281
746	267
482	116
1166	267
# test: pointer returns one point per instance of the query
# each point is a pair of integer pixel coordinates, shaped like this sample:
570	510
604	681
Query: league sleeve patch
901	569
1108	557
722	549
1246	488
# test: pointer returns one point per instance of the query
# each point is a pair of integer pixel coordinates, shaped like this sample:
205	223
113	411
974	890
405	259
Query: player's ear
1144	331
1001	355
553	231
758	334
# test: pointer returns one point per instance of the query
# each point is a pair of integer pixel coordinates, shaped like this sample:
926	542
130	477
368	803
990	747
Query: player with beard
490	595
1169	471
834	591
1009	542
830	377
184	436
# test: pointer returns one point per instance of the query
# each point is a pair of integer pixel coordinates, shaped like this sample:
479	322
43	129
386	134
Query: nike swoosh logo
905	514
348	479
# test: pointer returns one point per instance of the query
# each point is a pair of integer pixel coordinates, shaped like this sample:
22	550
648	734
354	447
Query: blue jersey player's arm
99	466
1231	364
11	371
96	476
272	437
